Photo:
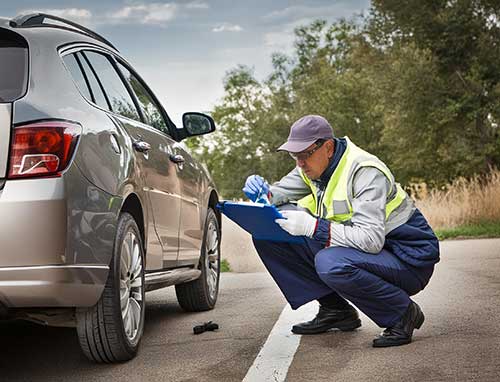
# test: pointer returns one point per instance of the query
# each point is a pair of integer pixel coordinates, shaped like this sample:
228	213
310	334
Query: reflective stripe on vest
335	204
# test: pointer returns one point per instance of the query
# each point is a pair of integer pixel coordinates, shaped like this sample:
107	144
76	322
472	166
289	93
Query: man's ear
330	147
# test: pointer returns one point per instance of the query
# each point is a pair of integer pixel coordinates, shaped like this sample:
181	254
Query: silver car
99	199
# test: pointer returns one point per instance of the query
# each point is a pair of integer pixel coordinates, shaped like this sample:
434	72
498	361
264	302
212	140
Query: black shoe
345	319
402	332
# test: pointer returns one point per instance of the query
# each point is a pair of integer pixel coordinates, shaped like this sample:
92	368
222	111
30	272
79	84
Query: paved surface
237	248
169	351
460	339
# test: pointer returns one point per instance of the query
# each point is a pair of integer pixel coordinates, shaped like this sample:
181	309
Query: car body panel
154	181
62	241
161	184
192	211
52	286
92	216
113	174
5	127
38	236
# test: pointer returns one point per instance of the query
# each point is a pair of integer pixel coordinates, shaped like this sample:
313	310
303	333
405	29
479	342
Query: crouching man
365	241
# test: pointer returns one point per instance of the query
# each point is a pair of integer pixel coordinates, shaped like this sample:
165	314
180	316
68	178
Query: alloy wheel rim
131	288
212	259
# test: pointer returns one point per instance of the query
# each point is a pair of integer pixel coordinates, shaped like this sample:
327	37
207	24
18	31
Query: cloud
226	27
279	40
197	5
158	14
282	39
78	15
289	12
338	10
153	13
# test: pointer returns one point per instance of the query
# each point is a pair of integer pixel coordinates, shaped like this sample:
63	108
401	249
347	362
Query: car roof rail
37	20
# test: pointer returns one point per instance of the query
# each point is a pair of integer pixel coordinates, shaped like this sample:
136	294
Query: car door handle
141	146
177	158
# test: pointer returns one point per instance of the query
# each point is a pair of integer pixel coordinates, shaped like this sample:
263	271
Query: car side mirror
197	124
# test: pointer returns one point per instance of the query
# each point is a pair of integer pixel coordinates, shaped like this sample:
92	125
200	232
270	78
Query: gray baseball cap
305	131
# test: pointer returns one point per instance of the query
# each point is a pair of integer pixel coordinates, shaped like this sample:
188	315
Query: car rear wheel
201	294
111	330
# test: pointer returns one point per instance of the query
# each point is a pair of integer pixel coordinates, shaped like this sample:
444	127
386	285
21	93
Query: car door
187	169
191	226
155	117
154	151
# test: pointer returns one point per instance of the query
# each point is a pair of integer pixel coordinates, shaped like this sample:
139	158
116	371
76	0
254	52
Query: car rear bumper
54	251
52	286
33	222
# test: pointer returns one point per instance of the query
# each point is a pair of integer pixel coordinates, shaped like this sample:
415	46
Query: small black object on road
207	326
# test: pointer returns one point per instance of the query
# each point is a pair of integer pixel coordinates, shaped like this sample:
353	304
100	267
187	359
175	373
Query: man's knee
335	265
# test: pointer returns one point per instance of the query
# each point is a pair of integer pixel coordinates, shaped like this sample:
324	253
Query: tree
243	143
417	83
442	59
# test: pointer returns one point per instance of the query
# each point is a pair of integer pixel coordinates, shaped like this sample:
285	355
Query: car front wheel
111	330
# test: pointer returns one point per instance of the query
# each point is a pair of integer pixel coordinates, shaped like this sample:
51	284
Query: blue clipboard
258	220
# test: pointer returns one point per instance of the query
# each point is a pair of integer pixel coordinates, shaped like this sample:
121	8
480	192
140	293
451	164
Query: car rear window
76	72
118	95
13	66
98	95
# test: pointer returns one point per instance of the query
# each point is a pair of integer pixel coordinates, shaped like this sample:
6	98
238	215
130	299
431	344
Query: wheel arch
212	203
132	205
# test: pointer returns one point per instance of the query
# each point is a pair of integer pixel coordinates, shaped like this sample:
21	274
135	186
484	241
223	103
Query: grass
464	208
224	266
479	230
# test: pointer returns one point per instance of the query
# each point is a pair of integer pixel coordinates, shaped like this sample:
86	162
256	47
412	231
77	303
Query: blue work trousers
377	284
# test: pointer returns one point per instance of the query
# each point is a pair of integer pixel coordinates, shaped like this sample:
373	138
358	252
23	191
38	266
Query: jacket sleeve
366	231
290	188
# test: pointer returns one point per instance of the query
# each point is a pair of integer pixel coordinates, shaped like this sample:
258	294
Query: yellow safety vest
335	204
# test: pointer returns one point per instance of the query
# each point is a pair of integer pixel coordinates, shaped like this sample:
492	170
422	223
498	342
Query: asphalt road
460	339
169	349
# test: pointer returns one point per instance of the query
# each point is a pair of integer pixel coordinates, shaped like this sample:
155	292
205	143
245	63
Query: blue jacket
414	242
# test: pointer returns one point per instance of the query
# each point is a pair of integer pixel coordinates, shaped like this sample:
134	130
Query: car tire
111	330
201	294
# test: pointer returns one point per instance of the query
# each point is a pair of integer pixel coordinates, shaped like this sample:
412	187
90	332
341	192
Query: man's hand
297	223
256	187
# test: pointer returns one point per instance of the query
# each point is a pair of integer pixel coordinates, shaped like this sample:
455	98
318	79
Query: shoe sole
345	327
389	344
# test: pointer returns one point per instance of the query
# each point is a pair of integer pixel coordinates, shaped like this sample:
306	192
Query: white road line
276	356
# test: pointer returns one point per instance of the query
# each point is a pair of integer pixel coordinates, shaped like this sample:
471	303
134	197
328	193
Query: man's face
314	160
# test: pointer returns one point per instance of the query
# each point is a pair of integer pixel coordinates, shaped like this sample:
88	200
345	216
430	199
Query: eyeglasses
305	155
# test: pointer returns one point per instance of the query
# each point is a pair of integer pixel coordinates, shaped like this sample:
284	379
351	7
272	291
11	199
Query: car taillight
42	148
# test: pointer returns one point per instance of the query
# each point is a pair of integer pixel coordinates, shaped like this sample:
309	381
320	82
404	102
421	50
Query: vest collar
340	147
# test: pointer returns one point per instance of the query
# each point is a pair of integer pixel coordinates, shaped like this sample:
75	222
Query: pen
264	199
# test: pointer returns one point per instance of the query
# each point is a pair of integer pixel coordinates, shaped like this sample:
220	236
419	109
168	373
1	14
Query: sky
184	48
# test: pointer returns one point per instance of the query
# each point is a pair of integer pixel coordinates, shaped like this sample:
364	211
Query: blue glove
256	188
